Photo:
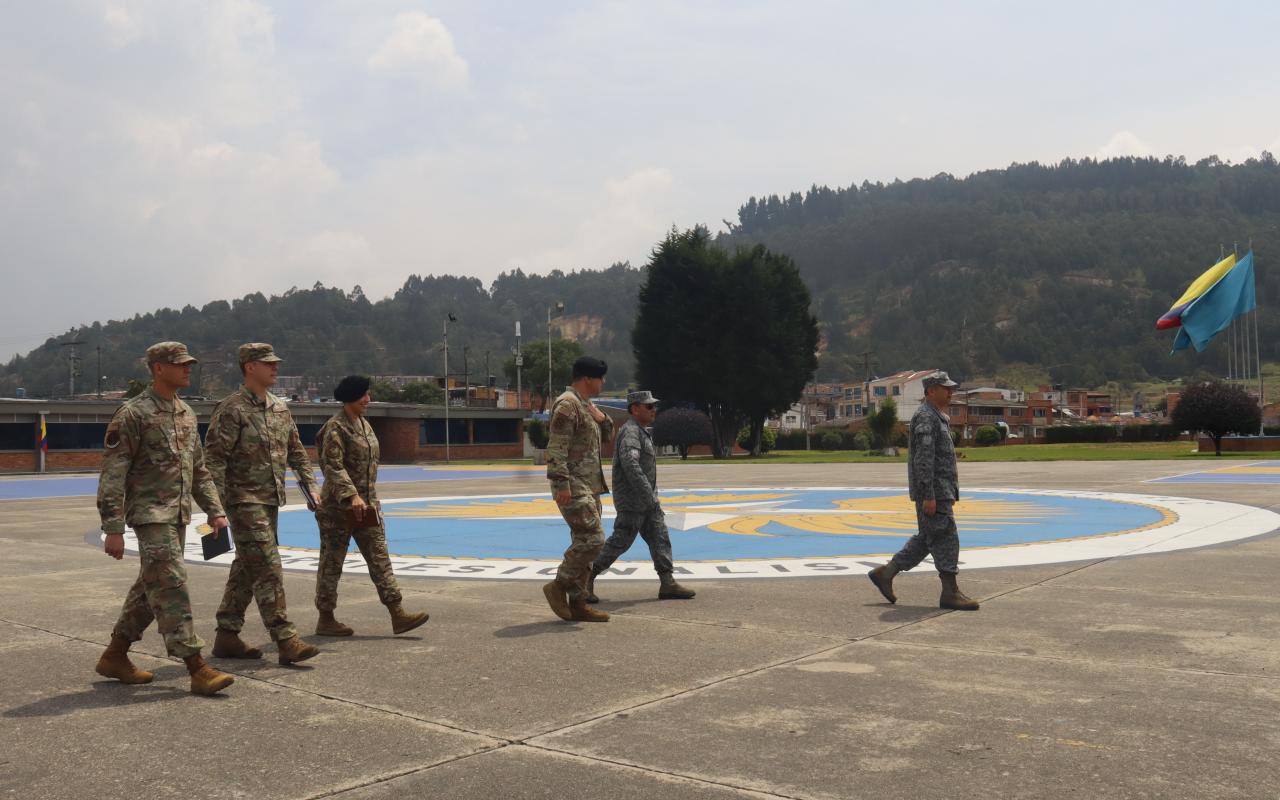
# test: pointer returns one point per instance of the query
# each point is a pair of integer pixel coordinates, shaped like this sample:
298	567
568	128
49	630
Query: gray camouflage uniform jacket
931	457
573	449
153	465
635	470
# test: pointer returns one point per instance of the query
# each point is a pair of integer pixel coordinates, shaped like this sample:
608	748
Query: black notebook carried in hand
215	543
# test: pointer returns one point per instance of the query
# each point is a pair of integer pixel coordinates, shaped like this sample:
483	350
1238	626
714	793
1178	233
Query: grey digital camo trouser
937	537
652	527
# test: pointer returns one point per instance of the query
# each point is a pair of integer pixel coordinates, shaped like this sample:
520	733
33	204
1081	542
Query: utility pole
98	348
466	377
73	362
547	399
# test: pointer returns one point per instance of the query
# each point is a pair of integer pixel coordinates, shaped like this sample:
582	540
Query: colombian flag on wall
1173	317
43	437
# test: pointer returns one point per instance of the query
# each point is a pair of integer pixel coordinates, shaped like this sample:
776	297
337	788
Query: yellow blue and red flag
1173	317
1209	314
43	439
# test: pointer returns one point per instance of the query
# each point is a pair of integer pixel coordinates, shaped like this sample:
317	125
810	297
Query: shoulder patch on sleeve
112	438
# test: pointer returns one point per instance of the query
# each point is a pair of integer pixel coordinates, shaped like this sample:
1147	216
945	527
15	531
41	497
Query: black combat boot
591	588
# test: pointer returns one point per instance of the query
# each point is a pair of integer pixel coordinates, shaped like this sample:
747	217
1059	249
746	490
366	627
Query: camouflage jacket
573	451
931	457
248	446
153	465
349	459
635	469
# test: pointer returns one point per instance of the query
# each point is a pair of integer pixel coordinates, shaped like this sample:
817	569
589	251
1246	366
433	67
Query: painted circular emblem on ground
781	532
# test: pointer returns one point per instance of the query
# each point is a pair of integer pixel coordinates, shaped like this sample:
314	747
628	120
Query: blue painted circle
718	524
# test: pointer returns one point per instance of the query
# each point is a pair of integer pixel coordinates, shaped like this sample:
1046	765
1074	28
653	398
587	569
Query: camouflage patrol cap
169	353
258	351
939	379
644	398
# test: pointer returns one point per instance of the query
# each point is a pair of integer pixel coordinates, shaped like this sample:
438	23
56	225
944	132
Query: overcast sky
160	152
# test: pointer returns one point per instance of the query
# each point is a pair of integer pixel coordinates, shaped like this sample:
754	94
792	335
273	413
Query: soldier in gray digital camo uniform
251	440
152	467
578	429
635	498
935	488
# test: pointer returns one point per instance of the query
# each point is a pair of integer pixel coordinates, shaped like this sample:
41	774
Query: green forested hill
327	332
1063	268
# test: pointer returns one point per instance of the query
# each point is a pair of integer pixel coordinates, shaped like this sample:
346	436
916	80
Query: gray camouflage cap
644	398
169	353
258	351
939	379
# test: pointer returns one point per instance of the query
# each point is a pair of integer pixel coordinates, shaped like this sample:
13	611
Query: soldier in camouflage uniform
935	488
250	441
578	429
349	458
635	498
151	468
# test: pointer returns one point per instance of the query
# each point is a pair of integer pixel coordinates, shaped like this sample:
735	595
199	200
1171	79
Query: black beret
589	367
351	388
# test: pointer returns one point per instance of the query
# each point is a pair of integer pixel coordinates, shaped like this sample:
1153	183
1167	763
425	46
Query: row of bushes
833	440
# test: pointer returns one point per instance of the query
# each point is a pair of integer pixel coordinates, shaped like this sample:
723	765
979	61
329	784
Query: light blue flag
1213	311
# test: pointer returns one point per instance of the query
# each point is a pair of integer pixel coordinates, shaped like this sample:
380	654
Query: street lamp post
449	318
519	364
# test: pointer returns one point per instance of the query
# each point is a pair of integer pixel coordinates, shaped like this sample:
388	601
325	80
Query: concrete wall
1241	444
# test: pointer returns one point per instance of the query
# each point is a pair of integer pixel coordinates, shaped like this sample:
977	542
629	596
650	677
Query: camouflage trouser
937	537
256	573
160	592
652	527
335	540
583	516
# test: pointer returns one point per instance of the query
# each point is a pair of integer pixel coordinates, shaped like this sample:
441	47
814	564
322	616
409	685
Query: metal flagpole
1242	370
1231	351
1257	351
1231	344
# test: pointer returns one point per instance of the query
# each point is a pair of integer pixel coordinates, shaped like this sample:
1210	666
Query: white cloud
1124	143
420	47
123	27
630	216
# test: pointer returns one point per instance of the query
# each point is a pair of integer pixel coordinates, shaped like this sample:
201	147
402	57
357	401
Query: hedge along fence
1075	434
849	440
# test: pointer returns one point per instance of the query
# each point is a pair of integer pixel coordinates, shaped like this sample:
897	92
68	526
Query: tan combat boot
328	626
557	599
293	650
115	663
402	621
670	590
591	588
205	680
228	644
579	611
882	577
952	597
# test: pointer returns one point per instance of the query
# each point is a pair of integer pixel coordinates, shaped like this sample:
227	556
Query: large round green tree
732	333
